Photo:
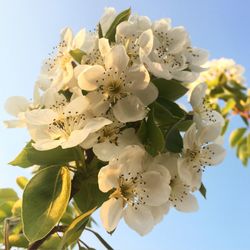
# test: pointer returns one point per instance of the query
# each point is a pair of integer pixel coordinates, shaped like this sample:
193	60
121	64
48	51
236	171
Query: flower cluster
223	66
111	93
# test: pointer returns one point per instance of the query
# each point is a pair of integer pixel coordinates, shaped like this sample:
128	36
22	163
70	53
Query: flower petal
157	189
129	109
41	116
116	58
198	95
78	136
47	144
76	106
147	95
208	133
141	219
212	154
88	79
108	177
187	204
111	213
16	104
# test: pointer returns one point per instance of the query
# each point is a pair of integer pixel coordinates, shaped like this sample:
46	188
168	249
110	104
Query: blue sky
29	30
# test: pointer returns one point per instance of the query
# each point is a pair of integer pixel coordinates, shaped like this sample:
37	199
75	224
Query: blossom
129	33
203	113
17	106
139	190
181	197
223	66
199	151
61	123
126	90
109	141
58	68
167	52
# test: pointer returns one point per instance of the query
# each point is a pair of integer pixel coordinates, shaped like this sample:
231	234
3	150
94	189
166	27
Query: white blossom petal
111	213
129	109
140	220
16	104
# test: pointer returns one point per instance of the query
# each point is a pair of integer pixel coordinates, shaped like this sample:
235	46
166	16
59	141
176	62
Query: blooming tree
107	132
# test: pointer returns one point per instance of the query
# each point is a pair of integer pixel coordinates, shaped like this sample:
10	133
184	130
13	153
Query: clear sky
29	29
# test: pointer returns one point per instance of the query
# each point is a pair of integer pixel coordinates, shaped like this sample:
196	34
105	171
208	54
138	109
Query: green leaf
89	195
224	128
45	200
169	89
174	141
172	107
123	16
163	116
77	55
29	156
7	194
98	236
75	229
155	138
18	240
203	191
236	135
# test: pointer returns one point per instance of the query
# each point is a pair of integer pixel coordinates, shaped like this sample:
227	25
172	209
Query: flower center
132	190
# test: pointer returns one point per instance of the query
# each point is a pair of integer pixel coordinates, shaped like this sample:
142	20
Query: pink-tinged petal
16	104
108	177
116	58
111	213
129	109
41	116
88	79
141	219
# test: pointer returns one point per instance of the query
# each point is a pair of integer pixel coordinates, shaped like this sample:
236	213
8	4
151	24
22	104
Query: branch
38	243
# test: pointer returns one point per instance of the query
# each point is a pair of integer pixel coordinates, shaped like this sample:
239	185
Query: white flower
17	106
59	67
140	190
128	33
180	196
61	123
126	90
203	114
167	52
199	151
109	141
